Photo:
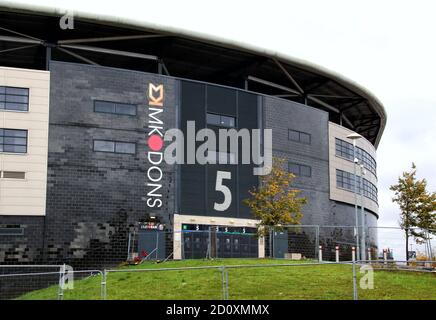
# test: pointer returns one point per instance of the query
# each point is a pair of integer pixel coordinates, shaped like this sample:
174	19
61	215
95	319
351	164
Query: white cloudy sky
387	46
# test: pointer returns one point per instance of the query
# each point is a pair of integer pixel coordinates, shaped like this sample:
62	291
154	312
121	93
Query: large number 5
220	176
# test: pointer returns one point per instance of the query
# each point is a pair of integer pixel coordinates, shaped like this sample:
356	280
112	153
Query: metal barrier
371	279
16	280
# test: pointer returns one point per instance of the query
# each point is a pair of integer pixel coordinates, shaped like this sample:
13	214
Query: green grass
297	282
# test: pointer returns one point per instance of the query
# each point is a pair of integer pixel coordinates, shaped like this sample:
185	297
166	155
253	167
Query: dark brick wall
94	199
20	249
280	116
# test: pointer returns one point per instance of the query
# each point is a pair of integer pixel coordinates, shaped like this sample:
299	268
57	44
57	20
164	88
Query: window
300	169
220	157
115	108
299	136
345	150
220	120
12	140
11	231
114	146
125	147
13	175
345	180
16	99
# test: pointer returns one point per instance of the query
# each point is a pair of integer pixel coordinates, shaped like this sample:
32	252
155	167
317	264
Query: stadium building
78	104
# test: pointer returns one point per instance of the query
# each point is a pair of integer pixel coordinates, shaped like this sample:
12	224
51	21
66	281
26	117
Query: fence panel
20	281
87	285
394	240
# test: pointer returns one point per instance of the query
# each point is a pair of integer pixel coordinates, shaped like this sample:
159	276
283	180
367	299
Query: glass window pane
105	146
2	90
127	109
294	168
104	106
15	133
305	138
227	121
125	147
15	106
12	148
305	171
294	135
20	99
19	141
213	119
17	91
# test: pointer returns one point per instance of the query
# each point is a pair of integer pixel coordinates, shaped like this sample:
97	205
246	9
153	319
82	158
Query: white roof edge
137	24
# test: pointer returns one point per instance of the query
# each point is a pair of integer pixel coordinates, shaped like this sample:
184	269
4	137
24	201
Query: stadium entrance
204	241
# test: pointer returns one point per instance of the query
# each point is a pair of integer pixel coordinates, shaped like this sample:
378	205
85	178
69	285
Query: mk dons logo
155	144
256	149
155	95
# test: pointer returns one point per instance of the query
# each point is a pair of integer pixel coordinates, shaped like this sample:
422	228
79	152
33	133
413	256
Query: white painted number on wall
220	176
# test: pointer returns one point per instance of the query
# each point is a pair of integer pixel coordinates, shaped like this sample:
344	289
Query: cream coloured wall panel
26	196
336	162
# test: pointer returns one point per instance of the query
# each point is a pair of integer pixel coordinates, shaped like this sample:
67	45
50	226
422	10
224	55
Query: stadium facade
78	107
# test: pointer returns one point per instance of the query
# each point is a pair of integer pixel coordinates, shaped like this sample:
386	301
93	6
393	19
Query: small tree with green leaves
417	207
275	202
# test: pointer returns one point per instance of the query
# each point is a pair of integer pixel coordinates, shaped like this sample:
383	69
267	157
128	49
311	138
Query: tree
417	207
274	202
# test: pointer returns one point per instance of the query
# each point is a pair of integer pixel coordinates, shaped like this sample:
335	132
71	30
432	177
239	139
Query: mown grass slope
300	281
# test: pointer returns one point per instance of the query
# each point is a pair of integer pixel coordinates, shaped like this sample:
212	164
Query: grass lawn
296	282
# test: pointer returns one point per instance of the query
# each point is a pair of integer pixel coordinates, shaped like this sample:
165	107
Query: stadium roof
30	35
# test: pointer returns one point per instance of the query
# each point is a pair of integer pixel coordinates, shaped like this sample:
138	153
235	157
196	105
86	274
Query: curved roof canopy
30	36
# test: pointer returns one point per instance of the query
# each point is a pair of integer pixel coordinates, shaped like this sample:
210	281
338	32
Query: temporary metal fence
307	241
267	279
284	242
48	282
193	244
329	255
18	280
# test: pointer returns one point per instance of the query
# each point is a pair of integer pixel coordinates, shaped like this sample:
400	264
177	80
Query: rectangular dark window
13	140
13	175
115	108
11	231
300	170
12	98
114	146
344	149
220	120
299	136
345	180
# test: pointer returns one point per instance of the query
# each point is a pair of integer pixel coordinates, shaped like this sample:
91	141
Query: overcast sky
389	47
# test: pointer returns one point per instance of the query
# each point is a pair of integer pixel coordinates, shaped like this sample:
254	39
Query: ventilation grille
14	175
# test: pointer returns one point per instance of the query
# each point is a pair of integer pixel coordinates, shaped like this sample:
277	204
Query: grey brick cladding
94	199
280	116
